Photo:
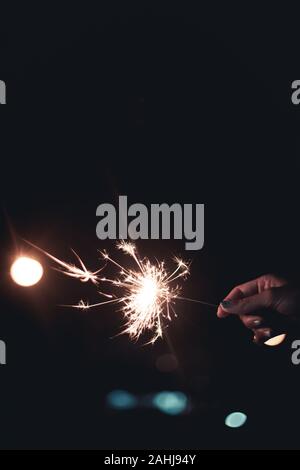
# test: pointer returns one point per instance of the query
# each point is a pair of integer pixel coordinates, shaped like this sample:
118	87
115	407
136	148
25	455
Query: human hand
267	305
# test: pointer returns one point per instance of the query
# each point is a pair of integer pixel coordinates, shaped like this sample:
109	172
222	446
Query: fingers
246	308
262	330
262	335
251	288
259	295
263	326
249	305
252	322
239	292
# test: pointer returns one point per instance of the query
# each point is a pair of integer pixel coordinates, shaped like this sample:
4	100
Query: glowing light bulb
26	271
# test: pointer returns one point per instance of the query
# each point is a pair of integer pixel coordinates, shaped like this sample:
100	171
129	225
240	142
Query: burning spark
82	305
81	273
148	293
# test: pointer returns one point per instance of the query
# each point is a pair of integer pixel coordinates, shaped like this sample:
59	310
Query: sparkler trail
148	293
83	274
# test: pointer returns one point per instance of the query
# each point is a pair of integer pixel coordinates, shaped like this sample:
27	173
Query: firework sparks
81	273
149	293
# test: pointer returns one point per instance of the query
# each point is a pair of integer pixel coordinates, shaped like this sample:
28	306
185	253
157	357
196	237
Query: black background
163	105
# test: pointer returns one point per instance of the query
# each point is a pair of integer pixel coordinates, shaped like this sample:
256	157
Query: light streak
80	273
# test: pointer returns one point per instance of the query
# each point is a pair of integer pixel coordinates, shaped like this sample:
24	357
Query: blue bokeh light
171	403
236	420
121	400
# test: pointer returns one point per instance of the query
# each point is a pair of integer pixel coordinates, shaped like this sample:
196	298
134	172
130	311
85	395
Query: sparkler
81	273
148	292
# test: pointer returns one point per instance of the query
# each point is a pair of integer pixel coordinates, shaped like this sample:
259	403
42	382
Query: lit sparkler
81	273
148	293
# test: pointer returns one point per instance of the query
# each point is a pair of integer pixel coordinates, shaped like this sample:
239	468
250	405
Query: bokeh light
26	271
236	419
121	400
276	340
171	403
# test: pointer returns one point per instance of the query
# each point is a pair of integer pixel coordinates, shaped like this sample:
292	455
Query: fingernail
267	333
226	303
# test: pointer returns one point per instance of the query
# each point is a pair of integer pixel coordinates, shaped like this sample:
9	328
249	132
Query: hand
267	305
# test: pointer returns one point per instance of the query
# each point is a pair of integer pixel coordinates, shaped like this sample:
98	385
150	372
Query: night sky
187	106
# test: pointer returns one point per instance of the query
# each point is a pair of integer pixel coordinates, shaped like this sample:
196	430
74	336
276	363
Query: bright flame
26	271
148	294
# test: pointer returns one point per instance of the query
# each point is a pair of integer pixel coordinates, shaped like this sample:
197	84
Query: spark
149	293
81	273
84	305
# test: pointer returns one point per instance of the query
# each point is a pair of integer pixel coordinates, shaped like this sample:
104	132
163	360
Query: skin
268	305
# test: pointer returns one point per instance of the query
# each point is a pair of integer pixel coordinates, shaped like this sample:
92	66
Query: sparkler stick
208	304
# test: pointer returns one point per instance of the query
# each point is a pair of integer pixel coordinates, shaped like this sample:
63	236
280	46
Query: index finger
239	292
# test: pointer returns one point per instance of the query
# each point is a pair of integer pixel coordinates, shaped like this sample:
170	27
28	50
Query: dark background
163	106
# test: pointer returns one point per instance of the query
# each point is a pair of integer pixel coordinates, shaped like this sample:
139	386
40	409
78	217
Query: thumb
250	305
